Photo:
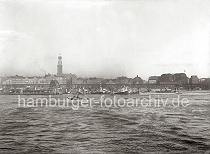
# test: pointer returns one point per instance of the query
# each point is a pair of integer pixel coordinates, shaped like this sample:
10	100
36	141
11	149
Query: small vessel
123	91
74	97
77	97
177	91
165	90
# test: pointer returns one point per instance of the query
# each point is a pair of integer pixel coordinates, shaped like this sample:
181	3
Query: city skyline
60	73
105	38
105	76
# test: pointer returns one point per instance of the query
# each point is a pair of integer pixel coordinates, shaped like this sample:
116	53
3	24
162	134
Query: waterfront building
205	82
181	78
137	80
93	80
153	79
36	82
194	79
166	79
177	78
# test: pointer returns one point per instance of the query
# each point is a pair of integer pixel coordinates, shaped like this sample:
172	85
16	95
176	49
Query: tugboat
165	90
97	91
123	91
177	91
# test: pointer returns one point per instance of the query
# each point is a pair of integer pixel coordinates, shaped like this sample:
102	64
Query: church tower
59	66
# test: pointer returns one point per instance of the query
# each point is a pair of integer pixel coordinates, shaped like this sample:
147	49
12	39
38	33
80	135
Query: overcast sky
105	38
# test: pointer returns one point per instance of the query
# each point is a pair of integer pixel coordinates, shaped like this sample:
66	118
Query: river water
138	129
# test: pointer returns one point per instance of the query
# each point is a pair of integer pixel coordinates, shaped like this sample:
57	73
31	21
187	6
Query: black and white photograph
104	76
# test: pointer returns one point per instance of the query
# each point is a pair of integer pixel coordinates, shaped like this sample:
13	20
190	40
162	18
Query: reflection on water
103	130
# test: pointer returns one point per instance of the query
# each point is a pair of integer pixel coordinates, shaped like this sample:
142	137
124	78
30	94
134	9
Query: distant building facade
177	78
137	80
153	79
205	82
181	78
20	80
194	79
166	79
